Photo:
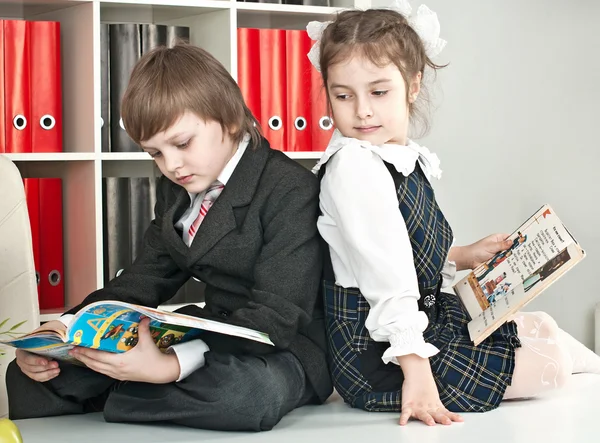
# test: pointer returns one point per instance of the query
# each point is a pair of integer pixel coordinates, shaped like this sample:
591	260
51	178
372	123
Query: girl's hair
382	36
166	82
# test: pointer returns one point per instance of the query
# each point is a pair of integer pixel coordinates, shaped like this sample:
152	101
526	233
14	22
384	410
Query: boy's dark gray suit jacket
259	253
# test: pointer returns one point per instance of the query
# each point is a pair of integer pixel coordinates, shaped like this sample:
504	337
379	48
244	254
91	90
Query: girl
397	342
231	212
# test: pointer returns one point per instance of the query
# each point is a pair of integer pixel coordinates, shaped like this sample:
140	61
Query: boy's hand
144	363
36	367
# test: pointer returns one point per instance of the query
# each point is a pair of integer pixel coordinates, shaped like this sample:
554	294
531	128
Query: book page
48	345
206	324
538	241
500	310
494	316
113	327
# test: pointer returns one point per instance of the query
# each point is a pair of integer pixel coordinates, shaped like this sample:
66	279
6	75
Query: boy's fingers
34	369
42	376
30	359
47	375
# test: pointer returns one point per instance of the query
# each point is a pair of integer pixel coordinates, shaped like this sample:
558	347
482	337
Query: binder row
30	87
282	89
44	204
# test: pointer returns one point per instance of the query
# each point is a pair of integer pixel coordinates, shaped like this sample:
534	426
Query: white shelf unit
82	165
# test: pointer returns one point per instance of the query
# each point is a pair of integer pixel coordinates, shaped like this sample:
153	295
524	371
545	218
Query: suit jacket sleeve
154	277
287	272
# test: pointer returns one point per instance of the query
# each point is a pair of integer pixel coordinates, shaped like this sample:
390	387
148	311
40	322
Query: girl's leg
547	358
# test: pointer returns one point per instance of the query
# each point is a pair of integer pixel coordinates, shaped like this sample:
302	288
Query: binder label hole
325	123
20	122
54	278
47	122
300	123
275	123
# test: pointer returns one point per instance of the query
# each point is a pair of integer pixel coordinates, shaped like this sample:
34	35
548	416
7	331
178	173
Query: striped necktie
209	198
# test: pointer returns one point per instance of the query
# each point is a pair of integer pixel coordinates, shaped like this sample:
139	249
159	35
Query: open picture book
113	326
542	251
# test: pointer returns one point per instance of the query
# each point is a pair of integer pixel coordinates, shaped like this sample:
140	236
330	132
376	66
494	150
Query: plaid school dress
468	378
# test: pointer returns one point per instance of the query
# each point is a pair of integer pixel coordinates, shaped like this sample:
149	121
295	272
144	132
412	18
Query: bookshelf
82	165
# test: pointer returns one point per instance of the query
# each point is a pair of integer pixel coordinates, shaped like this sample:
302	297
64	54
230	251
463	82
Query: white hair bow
425	23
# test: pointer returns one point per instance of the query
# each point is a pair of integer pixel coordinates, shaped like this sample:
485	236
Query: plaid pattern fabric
429	231
469	378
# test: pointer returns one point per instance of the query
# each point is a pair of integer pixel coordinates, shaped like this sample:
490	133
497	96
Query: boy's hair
166	82
382	36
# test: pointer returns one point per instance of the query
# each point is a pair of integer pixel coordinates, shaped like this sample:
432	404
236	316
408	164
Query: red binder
51	244
2	93
46	87
249	68
321	124
16	86
273	87
298	124
33	208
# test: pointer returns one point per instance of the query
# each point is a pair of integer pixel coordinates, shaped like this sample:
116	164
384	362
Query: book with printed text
542	251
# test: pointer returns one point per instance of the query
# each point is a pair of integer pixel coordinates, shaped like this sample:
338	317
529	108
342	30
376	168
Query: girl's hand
471	256
144	363
420	397
484	249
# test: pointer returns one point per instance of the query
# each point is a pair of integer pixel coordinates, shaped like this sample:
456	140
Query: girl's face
369	102
192	152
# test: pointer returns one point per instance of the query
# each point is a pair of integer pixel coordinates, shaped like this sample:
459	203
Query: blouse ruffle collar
404	158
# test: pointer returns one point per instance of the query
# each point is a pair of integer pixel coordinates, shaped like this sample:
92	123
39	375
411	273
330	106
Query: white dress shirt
368	239
191	354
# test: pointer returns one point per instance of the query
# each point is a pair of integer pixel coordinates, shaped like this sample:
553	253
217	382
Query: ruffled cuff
405	342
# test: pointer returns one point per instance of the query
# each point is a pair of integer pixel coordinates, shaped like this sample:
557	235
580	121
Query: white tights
547	358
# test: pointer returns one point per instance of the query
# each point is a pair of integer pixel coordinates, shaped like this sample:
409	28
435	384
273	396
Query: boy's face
368	102
192	152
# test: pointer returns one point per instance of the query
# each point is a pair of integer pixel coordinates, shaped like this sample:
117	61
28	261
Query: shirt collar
404	158
227	171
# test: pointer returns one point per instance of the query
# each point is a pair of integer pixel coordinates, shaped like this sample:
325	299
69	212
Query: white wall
516	126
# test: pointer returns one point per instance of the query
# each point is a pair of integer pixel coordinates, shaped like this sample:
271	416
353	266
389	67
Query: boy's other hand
144	363
36	367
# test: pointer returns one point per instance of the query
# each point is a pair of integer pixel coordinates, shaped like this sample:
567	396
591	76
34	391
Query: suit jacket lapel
239	191
175	211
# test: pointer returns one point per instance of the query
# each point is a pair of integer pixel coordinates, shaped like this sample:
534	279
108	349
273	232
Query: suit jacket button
224	314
